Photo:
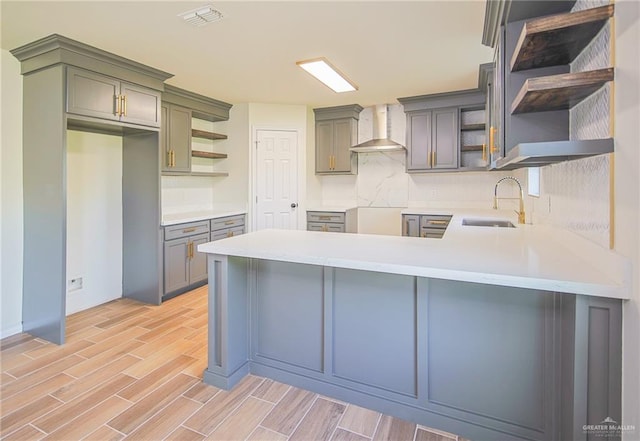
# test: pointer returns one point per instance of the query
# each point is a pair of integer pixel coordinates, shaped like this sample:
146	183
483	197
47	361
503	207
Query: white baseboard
10	331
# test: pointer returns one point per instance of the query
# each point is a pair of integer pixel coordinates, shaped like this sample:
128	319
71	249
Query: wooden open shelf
209	155
557	39
471	148
470	127
207	135
558	92
202	174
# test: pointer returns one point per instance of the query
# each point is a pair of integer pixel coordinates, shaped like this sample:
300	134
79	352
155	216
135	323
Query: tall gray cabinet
68	84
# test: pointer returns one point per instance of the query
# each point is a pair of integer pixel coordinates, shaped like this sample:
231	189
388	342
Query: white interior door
277	179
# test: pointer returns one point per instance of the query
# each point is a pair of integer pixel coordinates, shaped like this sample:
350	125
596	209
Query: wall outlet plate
74	284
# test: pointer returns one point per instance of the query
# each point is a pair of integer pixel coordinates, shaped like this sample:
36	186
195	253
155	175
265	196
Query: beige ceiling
390	49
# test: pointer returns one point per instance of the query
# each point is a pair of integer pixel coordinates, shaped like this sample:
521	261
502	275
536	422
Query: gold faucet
521	217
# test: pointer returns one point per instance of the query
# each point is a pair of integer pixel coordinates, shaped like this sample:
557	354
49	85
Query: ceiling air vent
201	16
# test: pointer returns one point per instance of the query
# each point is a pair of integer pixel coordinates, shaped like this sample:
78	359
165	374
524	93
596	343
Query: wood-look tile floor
134	371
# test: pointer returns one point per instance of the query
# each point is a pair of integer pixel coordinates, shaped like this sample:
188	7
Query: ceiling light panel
327	74
201	16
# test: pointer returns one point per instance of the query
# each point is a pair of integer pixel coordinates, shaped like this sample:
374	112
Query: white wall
627	195
11	229
94	218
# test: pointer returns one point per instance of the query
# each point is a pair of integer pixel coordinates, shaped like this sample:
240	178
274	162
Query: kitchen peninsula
489	333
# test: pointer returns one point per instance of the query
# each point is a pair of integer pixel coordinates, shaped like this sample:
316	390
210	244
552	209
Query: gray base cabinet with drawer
426	225
228	226
332	221
184	267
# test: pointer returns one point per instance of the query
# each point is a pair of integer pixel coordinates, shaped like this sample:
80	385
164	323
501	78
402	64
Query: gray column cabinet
100	96
175	139
70	85
336	133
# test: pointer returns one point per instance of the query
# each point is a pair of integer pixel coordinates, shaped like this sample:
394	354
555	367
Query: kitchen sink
488	223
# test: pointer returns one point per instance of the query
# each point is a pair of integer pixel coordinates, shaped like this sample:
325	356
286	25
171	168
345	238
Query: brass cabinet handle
437	222
117	105
124	105
189	230
492	140
173	158
433	159
484	152
324	217
407	230
189	250
231	233
229	222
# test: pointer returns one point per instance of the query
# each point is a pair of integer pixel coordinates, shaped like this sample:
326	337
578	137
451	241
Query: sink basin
488	223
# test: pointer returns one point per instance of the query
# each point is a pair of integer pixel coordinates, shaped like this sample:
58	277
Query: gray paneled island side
486	333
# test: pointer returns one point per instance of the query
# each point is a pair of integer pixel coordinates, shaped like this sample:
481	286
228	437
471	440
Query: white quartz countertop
528	256
193	216
331	208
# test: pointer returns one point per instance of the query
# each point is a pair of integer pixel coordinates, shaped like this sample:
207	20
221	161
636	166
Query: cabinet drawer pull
117	105
124	105
492	139
438	222
484	152
230	222
433	159
189	230
324	217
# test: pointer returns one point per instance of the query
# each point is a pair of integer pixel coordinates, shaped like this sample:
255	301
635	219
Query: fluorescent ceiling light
201	16
329	75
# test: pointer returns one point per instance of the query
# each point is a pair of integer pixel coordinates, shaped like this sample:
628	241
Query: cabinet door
496	134
176	265
445	138
198	263
410	225
316	226
140	105
335	228
179	137
343	140
324	146
418	141
165	155
91	94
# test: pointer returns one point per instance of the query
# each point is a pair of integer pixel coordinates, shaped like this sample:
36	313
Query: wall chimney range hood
381	141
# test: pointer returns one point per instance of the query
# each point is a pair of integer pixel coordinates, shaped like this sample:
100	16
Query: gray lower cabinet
432	140
431	226
184	267
227	226
175	138
332	221
100	96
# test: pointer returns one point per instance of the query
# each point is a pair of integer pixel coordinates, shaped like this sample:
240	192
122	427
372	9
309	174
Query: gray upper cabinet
336	133
432	140
100	96
175	138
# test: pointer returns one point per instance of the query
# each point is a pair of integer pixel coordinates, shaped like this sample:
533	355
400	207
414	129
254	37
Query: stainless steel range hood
381	141
539	154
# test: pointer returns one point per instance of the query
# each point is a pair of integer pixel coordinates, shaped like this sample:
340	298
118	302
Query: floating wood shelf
471	148
557	39
210	155
470	127
557	92
203	174
207	135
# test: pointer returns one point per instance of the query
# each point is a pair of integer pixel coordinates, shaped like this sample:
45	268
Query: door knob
294	205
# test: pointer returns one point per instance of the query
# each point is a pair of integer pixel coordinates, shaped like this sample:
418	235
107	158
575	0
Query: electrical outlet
74	284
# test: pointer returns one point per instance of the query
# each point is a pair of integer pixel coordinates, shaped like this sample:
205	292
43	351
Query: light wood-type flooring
134	371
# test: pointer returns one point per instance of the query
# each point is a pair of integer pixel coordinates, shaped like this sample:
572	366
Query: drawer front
325	216
227	232
185	230
434	233
325	226
227	222
432	221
